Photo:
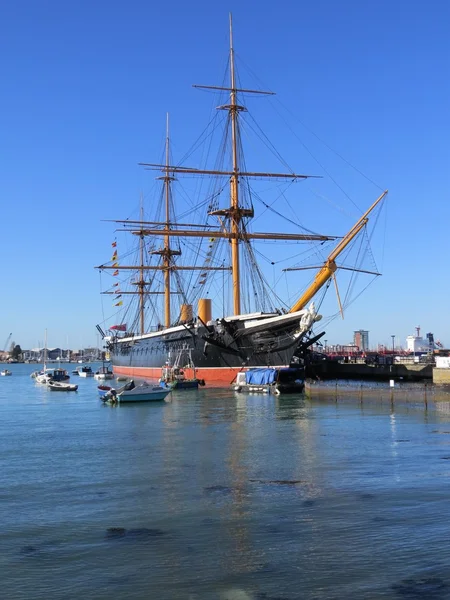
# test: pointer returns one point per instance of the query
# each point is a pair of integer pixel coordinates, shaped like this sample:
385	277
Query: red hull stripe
212	376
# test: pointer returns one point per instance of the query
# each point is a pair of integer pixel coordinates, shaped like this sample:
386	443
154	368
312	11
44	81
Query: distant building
37	354
361	339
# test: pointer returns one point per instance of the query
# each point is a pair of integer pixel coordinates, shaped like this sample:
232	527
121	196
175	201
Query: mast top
233	77
231	30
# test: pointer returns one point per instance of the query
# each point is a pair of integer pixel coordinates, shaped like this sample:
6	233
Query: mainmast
166	256
234	184
235	212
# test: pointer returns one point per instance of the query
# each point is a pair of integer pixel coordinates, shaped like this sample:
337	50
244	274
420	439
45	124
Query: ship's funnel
186	313
204	309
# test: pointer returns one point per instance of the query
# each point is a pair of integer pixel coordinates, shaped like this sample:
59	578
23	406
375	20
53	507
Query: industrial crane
7	342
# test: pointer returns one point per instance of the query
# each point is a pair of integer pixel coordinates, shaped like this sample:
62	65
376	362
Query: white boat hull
144	394
43	379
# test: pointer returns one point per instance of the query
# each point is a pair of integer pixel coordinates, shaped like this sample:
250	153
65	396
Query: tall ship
160	287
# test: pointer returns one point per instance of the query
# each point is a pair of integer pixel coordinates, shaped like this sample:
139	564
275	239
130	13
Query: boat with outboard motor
144	392
5	373
107	390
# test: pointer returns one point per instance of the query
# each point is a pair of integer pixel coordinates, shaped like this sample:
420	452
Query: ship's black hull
217	358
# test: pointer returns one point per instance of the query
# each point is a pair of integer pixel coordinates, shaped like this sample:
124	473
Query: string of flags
203	276
115	264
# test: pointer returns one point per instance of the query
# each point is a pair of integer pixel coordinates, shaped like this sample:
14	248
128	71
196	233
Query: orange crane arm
330	267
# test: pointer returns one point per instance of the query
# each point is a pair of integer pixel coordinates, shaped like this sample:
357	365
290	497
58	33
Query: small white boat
5	372
57	386
43	377
104	373
85	372
145	392
48	375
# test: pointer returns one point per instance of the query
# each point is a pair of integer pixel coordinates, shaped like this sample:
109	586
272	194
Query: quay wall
441	376
336	370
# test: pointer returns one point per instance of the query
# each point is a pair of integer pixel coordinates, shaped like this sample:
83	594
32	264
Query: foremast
166	252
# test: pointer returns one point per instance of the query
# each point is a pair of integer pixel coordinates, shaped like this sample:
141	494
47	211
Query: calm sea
213	495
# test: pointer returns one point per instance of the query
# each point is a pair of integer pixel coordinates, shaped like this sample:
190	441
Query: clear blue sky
85	89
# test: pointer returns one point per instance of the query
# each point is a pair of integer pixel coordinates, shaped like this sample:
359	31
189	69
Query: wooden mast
166	252
234	185
235	213
141	283
166	256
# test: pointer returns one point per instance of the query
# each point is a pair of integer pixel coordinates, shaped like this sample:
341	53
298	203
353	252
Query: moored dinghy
57	386
5	373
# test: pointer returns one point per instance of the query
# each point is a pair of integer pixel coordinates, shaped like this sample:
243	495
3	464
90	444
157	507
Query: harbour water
215	495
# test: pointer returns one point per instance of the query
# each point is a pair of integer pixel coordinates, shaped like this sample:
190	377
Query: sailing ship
216	349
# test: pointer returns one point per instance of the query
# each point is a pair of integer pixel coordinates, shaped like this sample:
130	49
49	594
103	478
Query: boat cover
260	376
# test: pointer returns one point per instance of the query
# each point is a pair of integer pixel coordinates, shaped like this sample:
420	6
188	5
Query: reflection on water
222	495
